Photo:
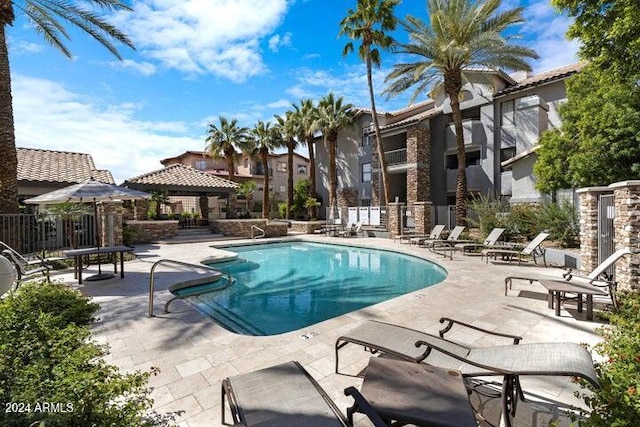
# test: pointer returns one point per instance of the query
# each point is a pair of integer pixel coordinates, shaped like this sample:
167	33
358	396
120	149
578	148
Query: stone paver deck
194	354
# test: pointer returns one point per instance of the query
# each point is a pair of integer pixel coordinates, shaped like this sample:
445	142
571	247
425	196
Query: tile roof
182	175
39	165
547	76
413	119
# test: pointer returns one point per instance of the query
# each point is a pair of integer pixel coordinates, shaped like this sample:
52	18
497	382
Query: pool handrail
230	279
255	227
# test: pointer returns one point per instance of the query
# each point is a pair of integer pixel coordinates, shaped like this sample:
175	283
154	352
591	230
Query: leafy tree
289	127
333	115
265	140
70	213
301	192
369	23
609	32
599	141
47	18
159	198
463	35
246	190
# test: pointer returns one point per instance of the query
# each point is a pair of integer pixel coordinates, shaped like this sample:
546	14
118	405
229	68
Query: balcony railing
396	157
474	134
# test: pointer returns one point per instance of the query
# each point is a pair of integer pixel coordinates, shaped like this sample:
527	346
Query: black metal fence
48	234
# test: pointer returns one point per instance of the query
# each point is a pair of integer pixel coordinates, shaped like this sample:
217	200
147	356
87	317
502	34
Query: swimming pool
283	287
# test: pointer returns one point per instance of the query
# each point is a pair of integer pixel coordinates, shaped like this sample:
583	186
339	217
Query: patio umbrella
90	191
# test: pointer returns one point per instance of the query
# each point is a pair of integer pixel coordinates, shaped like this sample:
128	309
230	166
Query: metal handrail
184	264
255	227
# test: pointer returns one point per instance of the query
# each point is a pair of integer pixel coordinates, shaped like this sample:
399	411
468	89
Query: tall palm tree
308	117
265	139
462	35
290	130
223	141
46	17
332	115
369	23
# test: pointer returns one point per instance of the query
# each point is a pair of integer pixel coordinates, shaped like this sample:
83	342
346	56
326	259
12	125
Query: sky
197	60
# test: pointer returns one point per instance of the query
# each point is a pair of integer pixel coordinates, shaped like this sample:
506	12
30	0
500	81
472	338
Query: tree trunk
230	166
379	148
8	154
290	147
265	191
333	179
312	172
452	87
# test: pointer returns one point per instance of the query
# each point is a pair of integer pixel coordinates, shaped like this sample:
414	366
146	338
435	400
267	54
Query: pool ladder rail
230	280
255	228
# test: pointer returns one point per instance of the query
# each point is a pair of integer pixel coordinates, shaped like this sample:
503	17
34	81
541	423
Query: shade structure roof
88	191
184	180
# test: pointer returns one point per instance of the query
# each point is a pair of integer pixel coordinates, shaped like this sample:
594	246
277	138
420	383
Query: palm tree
308	116
223	140
47	18
332	115
289	128
370	23
266	140
463	35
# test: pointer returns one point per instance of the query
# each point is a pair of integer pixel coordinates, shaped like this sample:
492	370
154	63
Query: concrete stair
191	235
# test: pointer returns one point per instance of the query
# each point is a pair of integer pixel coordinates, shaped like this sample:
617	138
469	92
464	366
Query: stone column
394	219
627	232
422	217
140	208
418	170
376	180
110	218
203	203
589	226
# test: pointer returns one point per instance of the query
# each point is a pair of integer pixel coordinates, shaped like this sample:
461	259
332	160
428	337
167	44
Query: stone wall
376	179
348	197
151	231
276	229
110	217
394	219
422	217
237	227
307	227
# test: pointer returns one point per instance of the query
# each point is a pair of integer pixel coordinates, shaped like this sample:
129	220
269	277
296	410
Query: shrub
616	402
561	220
47	358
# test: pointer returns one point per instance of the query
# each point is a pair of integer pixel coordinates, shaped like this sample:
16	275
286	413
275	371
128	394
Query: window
471	158
200	164
283	188
507	113
365	202
366	137
366	172
302	169
281	166
507	153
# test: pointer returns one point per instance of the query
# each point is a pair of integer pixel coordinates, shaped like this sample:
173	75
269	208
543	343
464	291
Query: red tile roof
544	77
39	165
181	175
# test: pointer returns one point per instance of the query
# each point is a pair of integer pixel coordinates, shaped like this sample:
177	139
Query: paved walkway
194	354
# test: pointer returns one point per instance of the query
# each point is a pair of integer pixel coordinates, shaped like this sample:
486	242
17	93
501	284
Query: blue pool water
282	287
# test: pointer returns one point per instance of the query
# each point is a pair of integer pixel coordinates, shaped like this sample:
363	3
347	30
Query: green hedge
51	371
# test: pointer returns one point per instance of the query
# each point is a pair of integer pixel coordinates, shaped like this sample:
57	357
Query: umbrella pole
95	215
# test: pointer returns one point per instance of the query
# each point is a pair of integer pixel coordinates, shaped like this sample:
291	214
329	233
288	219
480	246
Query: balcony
473	131
396	160
475	178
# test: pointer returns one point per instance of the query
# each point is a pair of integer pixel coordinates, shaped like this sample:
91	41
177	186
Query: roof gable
178	177
39	165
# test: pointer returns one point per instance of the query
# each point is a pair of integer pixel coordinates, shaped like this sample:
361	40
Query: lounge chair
490	242
8	275
508	361
593	283
286	395
533	249
352	230
26	268
436	232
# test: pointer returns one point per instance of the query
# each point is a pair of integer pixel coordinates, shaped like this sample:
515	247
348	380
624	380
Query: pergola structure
181	180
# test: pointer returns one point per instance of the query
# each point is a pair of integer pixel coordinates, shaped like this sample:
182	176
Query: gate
606	231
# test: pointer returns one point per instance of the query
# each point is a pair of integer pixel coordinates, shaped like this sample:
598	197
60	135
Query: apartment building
503	118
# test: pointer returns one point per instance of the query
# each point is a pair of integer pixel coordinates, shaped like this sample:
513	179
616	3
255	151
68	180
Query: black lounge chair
508	361
286	395
25	267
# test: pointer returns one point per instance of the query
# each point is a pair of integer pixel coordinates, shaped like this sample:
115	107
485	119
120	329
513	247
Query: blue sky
199	59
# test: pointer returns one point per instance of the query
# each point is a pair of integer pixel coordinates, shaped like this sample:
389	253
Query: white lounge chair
533	249
352	230
490	242
436	232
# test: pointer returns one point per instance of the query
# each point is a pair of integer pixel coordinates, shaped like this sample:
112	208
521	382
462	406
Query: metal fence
50	234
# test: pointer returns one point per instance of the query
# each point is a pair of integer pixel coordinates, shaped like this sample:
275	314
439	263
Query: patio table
557	288
77	255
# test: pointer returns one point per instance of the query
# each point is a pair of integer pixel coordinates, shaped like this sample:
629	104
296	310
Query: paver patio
194	354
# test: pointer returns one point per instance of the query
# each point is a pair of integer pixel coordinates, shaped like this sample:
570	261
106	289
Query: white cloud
277	41
310	56
25	47
143	68
49	116
220	37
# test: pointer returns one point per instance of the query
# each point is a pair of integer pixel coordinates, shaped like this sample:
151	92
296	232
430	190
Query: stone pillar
110	218
394	219
627	232
376	180
418	170
203	203
140	208
422	217
589	226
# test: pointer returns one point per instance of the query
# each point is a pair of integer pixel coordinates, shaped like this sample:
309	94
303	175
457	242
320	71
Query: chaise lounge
490	242
533	249
25	268
508	361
